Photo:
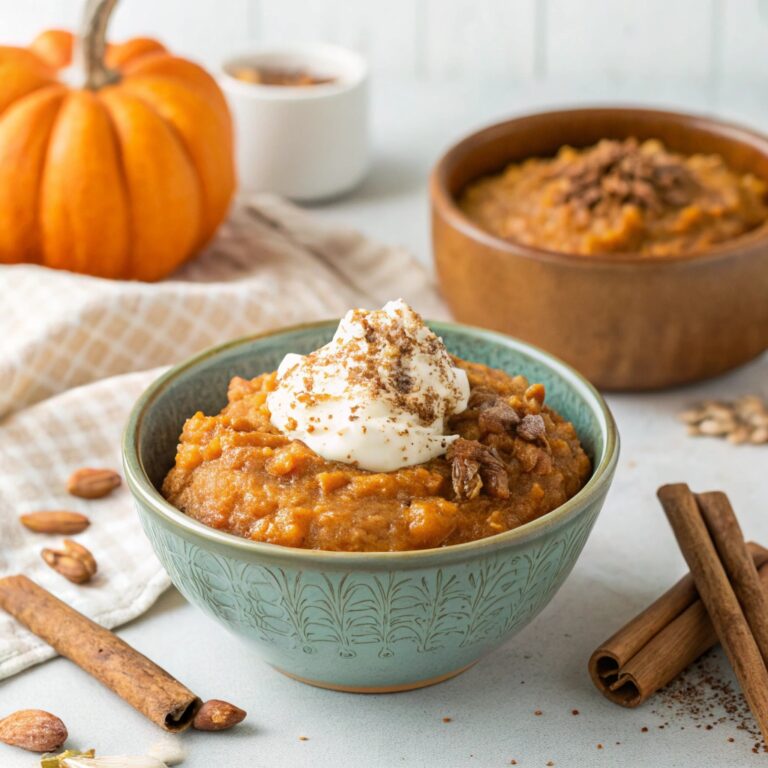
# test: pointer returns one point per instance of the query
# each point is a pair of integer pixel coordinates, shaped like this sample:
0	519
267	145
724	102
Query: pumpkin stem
93	44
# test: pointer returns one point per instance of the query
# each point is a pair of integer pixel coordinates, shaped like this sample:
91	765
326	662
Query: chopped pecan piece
465	473
475	466
532	428
494	413
498	417
495	478
481	398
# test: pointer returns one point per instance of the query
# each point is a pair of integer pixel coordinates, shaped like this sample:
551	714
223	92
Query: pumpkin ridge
184	148
181	222
203	84
213	191
54	48
22	73
26	214
120	54
84	221
130	251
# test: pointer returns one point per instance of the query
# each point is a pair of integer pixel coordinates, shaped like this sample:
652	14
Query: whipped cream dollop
378	395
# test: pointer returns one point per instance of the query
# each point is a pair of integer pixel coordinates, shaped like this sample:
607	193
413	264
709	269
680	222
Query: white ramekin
303	142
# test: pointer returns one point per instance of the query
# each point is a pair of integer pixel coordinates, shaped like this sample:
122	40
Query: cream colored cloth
271	265
70	349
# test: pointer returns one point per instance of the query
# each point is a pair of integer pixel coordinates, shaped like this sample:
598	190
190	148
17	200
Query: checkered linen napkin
74	354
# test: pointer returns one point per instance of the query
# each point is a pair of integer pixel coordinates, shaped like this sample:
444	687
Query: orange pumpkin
126	177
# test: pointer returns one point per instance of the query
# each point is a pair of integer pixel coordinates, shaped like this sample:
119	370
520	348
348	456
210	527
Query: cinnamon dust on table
705	697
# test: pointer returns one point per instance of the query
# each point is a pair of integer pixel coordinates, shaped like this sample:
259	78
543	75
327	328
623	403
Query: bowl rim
145	493
446	203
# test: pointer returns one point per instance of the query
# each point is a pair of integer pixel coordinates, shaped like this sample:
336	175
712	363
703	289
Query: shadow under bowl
365	622
625	321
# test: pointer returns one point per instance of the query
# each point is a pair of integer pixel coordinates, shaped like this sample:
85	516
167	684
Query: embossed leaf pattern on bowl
453	606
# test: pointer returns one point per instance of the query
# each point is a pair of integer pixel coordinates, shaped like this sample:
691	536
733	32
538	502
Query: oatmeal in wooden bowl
619	196
631	243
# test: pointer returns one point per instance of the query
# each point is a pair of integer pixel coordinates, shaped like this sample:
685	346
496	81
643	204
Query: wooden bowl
624	320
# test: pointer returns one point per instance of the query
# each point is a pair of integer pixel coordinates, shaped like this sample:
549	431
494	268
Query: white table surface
630	558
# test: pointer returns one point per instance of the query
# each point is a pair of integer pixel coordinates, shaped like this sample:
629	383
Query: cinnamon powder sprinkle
447	719
703	695
538	712
371	364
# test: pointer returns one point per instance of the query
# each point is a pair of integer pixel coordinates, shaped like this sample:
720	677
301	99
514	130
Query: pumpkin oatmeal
514	460
618	197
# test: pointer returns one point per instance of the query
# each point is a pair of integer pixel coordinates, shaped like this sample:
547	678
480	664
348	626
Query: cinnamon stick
132	676
719	598
658	644
729	541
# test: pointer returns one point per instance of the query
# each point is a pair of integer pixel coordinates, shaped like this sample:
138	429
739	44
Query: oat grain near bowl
387	444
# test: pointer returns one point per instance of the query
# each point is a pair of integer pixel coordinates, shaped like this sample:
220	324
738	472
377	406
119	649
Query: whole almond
217	715
34	730
81	553
69	567
55	521
88	483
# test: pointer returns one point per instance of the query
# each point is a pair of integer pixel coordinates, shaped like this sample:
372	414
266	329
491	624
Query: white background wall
707	40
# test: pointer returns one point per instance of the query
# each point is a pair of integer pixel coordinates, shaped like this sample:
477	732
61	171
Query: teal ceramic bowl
368	622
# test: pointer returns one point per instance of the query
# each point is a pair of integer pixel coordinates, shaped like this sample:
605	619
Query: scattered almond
33	730
75	562
216	715
59	521
88	483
